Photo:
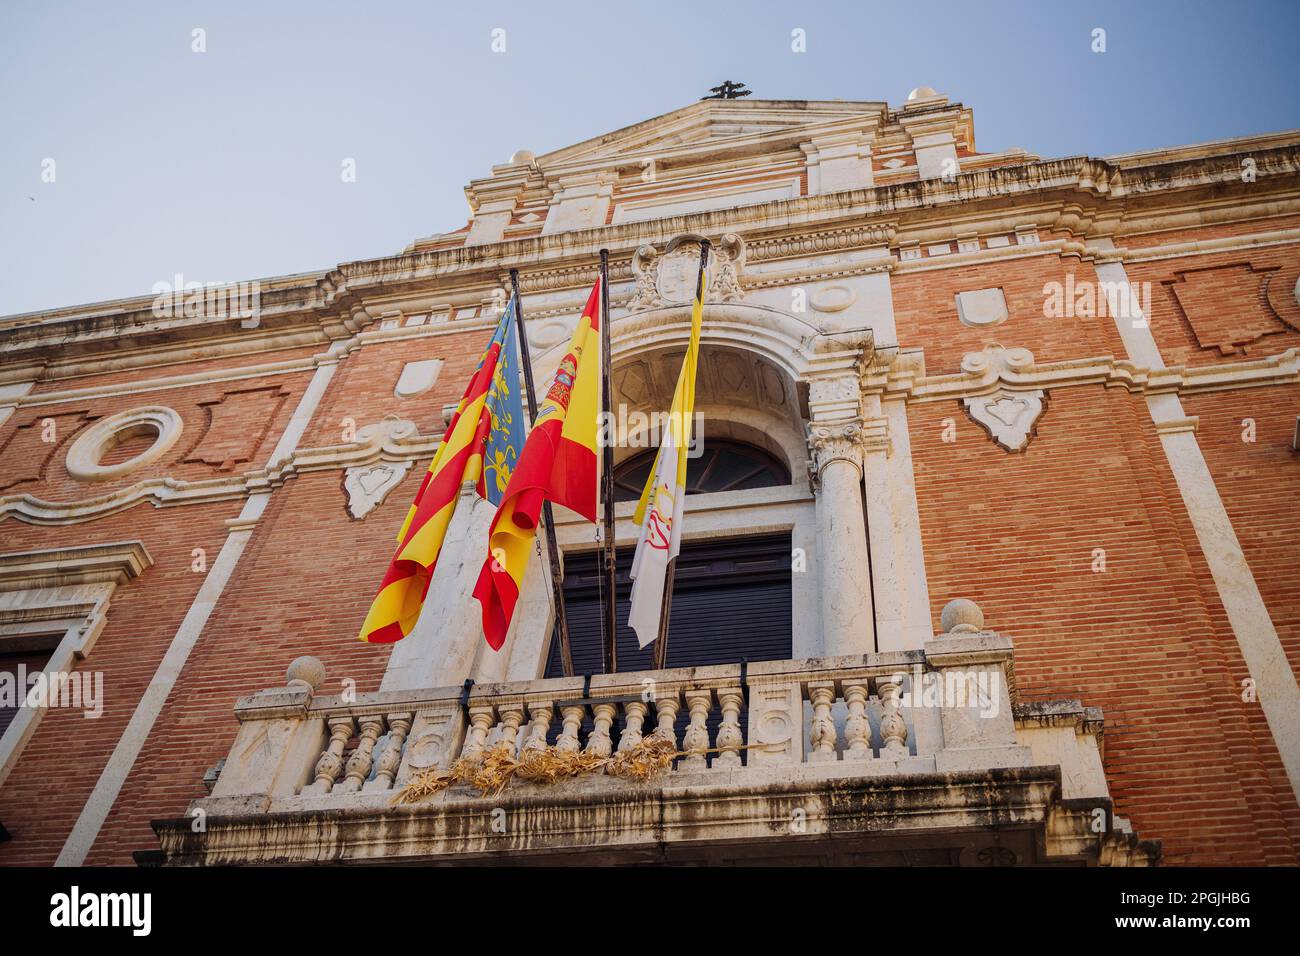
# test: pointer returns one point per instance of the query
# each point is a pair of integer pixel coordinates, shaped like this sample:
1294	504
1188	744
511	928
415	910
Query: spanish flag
662	509
486	426
558	462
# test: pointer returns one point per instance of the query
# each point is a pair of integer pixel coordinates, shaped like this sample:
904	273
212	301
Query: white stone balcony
902	757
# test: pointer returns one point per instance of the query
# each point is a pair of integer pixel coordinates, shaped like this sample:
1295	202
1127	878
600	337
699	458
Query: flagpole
607	475
661	643
552	547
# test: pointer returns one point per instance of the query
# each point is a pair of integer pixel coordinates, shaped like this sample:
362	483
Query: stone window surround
60	595
87	451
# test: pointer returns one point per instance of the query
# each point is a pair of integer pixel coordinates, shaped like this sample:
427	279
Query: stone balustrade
772	752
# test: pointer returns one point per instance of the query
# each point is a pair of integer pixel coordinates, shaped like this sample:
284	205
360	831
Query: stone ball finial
921	92
961	616
522	156
305	673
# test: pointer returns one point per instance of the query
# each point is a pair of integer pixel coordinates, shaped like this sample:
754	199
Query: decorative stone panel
982	308
1009	417
368	486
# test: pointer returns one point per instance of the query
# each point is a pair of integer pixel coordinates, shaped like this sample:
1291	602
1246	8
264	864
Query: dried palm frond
490	771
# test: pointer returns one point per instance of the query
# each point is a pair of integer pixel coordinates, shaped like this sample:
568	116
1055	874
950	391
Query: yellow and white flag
662	507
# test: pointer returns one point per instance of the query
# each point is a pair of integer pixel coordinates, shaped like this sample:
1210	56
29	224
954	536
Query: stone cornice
333	303
985	372
110	563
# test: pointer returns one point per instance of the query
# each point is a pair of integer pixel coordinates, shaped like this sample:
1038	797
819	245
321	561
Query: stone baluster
331	761
539	715
399	725
512	715
893	731
600	743
696	738
822	738
363	757
568	739
666	717
857	729
730	739
480	721
634	712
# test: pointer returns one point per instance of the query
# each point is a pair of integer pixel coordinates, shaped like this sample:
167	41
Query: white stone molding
838	162
417	377
368	485
1016	368
62	593
982	308
10	395
580	201
795	346
1009	417
392	439
87	451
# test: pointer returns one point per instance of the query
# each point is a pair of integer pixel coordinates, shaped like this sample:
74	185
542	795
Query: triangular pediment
712	123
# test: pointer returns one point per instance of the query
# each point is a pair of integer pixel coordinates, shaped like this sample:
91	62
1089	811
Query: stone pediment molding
995	367
392	439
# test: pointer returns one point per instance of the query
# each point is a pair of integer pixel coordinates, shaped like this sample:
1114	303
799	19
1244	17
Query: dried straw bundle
492	770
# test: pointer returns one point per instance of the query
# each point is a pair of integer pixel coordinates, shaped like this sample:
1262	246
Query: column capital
849	439
832	441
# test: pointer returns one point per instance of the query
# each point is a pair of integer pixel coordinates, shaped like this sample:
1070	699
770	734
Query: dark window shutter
35	661
731	601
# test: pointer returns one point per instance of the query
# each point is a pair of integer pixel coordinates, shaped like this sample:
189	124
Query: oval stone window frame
94	443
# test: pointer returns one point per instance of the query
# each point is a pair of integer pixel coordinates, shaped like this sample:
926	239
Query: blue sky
225	165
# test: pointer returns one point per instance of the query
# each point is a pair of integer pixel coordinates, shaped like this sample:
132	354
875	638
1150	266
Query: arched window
723	465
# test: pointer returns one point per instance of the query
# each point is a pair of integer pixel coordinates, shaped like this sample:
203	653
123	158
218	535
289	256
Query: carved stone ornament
834	441
1009	417
368	485
669	278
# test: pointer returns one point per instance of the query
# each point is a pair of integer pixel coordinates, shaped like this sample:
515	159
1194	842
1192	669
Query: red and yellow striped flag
459	459
558	462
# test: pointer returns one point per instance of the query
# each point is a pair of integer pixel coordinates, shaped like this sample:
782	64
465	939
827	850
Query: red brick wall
58	769
1147	640
925	312
1223	297
1259	483
302	587
362	388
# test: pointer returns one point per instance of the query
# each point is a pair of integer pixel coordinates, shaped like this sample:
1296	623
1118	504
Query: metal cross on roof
727	91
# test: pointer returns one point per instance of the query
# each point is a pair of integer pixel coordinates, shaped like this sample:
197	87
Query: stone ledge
620	825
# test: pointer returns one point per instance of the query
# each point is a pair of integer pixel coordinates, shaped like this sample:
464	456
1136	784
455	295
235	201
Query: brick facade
1150	639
